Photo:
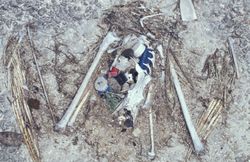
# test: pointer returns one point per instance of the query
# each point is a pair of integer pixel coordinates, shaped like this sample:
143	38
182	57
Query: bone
107	41
232	51
151	153
73	118
198	146
187	10
160	50
148	105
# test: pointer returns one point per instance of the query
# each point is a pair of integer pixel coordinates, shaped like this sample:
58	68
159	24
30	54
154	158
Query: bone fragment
187	10
232	51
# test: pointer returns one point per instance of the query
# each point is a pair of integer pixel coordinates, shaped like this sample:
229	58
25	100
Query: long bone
151	153
198	146
107	41
148	105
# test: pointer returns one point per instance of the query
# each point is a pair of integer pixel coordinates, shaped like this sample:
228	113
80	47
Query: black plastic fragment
128	123
121	78
134	74
128	53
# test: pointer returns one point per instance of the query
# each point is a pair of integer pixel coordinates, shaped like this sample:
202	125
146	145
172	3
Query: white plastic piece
101	84
129	77
198	146
107	41
121	63
139	48
135	95
187	10
148	66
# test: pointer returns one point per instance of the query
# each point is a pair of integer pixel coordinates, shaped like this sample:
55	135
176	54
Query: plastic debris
114	85
139	48
128	76
135	95
113	100
121	63
101	84
121	78
147	60
113	72
128	53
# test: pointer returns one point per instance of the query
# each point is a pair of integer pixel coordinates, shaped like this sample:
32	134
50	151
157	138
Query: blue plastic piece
145	61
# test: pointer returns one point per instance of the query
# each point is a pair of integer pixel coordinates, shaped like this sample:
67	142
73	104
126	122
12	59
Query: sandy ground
64	34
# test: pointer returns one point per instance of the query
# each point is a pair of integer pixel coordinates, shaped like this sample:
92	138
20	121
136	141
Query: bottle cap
101	84
139	48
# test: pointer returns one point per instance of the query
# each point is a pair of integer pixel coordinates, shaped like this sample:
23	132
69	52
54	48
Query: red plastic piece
113	72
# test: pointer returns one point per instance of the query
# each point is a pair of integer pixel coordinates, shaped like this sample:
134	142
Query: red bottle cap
113	72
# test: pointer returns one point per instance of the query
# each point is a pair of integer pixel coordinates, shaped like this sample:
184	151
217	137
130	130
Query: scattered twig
179	65
208	120
19	104
149	16
169	93
40	77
